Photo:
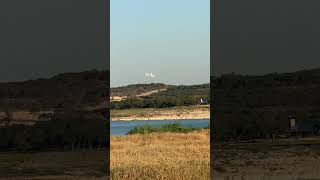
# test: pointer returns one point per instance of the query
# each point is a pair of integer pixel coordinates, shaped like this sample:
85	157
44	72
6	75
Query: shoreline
175	113
159	119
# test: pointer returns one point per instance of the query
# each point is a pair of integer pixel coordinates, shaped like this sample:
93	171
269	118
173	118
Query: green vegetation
288	90
172	97
66	131
135	89
249	124
174	128
250	107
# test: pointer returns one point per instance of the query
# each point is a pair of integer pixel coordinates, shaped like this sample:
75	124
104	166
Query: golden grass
161	156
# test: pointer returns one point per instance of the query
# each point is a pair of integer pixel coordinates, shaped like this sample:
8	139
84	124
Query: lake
121	128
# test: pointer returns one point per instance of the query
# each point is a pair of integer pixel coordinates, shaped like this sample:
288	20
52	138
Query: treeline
250	124
155	102
202	90
173	96
299	78
65	131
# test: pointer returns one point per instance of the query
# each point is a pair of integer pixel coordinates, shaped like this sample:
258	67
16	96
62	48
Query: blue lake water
120	128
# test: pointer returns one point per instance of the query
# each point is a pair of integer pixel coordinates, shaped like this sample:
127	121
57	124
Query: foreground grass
53	165
161	156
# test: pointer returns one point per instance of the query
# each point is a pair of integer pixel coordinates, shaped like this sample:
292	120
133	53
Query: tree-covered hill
69	89
134	90
295	89
259	106
173	96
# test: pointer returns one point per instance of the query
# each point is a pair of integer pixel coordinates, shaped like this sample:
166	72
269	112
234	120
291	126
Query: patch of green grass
176	128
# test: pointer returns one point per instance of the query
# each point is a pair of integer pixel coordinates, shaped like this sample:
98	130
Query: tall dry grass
161	156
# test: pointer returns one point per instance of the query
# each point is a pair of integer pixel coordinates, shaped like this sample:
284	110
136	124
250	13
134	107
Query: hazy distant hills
87	88
299	89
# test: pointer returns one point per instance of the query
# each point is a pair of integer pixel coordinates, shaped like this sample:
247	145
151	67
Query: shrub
176	128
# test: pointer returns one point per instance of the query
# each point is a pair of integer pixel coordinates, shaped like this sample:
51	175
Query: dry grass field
161	156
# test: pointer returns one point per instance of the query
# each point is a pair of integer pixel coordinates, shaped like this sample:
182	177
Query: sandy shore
191	112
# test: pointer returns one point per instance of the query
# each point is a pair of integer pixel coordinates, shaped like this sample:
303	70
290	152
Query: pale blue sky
170	38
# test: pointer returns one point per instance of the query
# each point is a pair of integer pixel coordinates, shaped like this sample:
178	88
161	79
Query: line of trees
156	102
67	132
256	123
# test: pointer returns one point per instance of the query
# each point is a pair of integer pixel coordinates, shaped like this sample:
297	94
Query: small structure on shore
203	101
304	128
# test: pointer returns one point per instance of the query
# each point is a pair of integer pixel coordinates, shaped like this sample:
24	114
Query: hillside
259	106
87	88
296	89
55	113
162	98
202	90
135	90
